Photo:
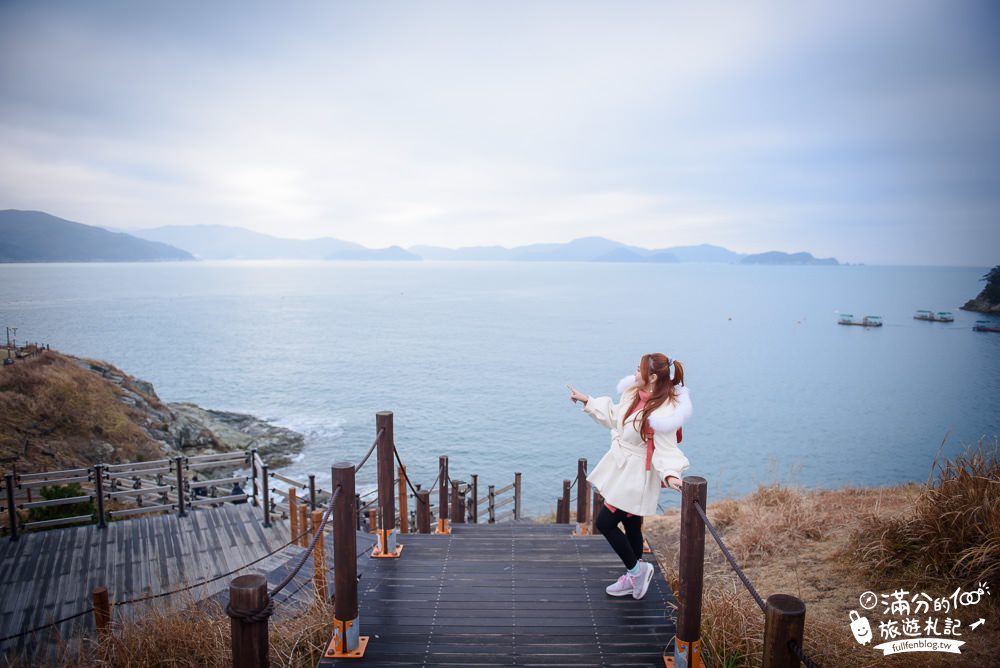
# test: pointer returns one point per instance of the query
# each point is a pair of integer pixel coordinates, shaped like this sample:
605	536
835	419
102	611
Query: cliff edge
58	411
987	301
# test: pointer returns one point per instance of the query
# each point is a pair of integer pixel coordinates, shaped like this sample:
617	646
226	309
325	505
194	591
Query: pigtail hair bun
678	372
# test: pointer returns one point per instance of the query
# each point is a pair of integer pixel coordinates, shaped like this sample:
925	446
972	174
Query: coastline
63	411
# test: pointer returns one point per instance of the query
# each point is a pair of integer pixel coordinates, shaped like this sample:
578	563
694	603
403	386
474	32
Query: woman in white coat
645	426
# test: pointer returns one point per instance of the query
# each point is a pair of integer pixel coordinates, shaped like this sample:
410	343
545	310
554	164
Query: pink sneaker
623	587
642	580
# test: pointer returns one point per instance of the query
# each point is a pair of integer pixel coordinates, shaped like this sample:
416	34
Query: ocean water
472	358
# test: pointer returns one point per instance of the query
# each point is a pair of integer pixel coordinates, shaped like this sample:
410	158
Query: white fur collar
625	383
659	422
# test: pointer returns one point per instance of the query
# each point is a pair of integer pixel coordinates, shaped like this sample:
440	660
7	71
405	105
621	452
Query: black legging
627	545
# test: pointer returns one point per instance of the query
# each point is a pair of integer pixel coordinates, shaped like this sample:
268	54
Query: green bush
58	512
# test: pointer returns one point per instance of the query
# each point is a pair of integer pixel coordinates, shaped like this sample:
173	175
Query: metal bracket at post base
386	547
646	549
346	643
683	654
443	527
581	530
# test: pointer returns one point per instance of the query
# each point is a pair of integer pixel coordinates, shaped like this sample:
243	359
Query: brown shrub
55	414
951	535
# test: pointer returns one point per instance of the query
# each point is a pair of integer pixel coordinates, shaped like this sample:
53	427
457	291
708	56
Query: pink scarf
643	399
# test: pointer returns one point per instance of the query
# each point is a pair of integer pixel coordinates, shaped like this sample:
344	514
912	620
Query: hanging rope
368	454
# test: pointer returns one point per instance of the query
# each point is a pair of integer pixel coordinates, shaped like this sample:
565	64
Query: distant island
987	301
34	236
777	257
222	242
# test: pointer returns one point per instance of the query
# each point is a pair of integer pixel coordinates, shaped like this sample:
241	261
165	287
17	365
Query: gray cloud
869	134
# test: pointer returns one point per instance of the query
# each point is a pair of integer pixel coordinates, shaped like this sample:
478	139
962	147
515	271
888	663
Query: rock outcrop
60	412
185	428
987	301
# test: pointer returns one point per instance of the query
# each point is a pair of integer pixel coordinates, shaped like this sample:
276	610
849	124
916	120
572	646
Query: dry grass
56	415
189	633
828	546
952	534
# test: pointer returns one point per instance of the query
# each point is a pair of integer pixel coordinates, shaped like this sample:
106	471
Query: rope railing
784	614
312	544
368	454
794	646
407	477
151	597
729	557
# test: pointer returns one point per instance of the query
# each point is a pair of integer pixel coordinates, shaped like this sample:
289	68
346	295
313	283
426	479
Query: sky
869	132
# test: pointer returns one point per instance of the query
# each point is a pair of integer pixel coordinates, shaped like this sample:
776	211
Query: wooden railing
118	491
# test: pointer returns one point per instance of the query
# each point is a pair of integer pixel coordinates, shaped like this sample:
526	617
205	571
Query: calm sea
472	359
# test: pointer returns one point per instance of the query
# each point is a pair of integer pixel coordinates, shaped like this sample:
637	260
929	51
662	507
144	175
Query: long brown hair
665	388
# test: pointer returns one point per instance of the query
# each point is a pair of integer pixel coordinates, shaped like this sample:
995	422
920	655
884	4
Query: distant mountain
777	257
623	254
390	253
222	242
705	253
584	249
35	236
465	253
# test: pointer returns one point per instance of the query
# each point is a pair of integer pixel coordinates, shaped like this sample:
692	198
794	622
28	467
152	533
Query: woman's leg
607	524
633	531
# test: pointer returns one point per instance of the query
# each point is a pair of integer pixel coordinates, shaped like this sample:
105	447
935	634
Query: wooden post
404	511
248	594
459	505
455	511
423	510
386	493
253	475
784	620
267	496
102	520
475	499
304	525
346	630
691	563
11	506
357	509
492	504
179	463
582	492
559	510
102	611
312	492
598	502
517	495
319	557
293	515
565	496
442	494
372	521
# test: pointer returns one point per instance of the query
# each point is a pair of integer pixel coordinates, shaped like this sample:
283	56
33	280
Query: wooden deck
49	575
510	594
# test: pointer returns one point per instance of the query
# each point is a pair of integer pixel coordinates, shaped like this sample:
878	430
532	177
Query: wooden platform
519	593
48	575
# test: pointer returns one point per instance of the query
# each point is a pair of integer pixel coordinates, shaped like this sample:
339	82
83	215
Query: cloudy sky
869	134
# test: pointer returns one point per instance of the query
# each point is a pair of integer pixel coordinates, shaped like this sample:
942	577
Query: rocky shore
59	411
987	301
188	429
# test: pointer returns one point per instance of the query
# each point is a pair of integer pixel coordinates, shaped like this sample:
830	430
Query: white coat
621	476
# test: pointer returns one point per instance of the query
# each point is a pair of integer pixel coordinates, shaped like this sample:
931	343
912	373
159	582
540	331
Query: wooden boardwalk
509	594
49	575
